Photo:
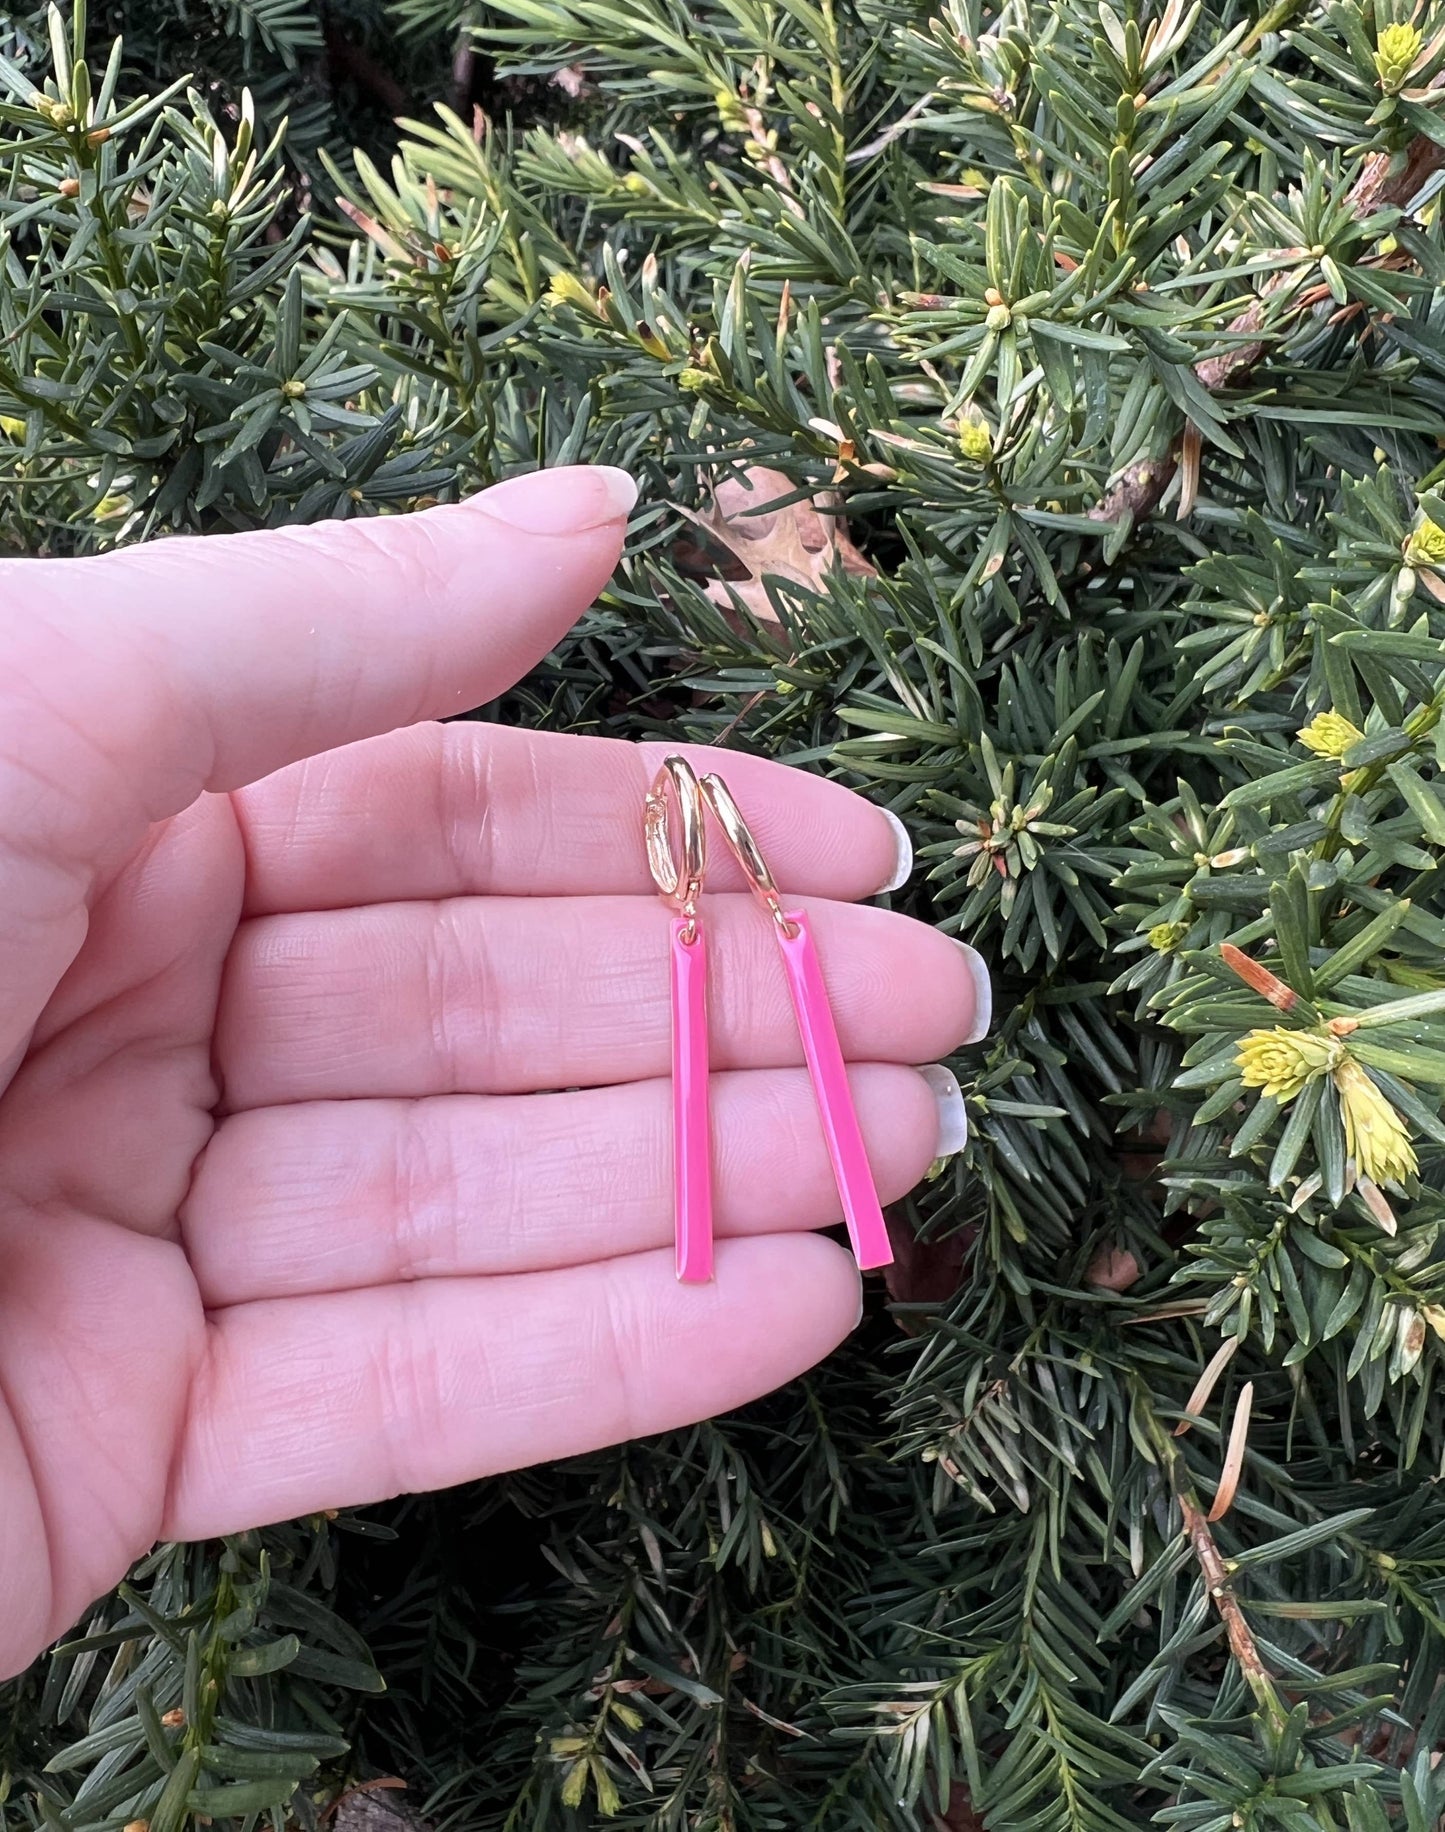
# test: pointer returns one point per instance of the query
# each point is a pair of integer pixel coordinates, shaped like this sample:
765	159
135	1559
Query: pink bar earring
866	1228
682	887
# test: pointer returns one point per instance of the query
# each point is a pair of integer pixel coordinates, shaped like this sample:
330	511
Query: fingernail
982	993
952	1114
569	500
904	863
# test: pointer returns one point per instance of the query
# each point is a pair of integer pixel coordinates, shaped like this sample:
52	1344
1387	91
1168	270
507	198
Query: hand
286	1219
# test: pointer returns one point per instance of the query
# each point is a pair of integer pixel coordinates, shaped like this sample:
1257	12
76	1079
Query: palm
289	1218
99	1130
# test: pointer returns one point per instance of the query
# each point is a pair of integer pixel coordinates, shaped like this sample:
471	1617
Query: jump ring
681	886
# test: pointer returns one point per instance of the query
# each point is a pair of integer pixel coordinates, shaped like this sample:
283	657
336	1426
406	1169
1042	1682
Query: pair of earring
681	885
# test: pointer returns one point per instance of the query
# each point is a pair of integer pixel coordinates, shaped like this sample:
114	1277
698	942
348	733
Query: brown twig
1138	490
1387	180
1236	1629
1383	184
367	72
1215	1573
464	71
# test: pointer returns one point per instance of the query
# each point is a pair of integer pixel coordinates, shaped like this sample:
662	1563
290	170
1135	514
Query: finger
454	810
338	1400
498	995
189	664
335	1195
136	679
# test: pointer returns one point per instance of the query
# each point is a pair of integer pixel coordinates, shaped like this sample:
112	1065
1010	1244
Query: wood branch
1139	490
1392	180
1218	372
464	74
355	62
1236	1629
1388	180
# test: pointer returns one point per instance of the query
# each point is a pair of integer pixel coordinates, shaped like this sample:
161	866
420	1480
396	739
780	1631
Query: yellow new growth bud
974	439
693	381
1165	937
574	1786
567	289
59	114
1329	734
731	111
1375	1135
1426	545
1396	49
1281	1062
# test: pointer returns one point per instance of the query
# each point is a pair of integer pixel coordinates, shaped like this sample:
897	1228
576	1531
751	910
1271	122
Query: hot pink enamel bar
692	1150
866	1227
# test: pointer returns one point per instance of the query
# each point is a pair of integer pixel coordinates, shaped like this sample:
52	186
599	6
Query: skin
290	1217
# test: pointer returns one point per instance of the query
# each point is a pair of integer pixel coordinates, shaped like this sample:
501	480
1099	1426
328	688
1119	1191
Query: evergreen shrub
1086	359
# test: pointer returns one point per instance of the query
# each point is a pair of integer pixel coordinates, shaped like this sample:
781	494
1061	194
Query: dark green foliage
1120	334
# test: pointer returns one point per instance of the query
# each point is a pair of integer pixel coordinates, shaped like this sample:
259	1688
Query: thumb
132	681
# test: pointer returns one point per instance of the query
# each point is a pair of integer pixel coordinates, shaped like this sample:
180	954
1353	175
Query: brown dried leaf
1112	1269
1207	1382
960	1815
1259	979
1377	1203
1234	1455
788	1730
369	227
794	542
363	1808
1191	447
924	1271
1142	1150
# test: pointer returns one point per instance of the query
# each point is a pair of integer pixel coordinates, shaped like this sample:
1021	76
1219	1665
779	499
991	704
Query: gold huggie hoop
745	849
681	887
